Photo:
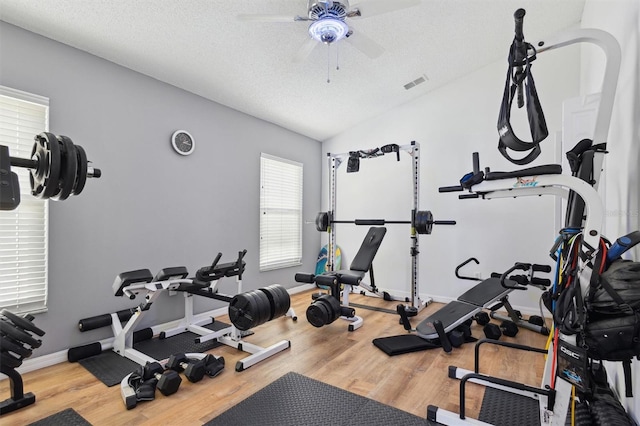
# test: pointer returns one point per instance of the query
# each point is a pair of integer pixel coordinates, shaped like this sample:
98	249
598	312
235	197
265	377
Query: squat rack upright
334	161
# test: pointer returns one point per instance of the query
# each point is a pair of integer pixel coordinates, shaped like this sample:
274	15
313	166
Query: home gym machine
421	222
246	310
553	397
57	169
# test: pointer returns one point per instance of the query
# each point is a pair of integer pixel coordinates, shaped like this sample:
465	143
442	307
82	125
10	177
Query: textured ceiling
201	46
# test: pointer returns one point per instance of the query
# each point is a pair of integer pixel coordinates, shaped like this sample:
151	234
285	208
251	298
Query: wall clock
183	142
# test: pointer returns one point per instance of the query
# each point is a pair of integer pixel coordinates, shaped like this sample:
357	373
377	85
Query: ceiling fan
329	23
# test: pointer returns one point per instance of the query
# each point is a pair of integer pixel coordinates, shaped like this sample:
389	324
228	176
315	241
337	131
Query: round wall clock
183	142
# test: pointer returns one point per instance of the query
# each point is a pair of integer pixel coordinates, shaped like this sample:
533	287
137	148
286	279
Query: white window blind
23	231
280	213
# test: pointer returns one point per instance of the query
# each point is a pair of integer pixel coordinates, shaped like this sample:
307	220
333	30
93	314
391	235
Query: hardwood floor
330	354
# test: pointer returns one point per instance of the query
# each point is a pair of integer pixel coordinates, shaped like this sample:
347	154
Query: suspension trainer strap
516	78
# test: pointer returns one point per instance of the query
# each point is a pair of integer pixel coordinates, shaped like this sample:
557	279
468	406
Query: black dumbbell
536	320
482	318
194	369
509	328
168	380
213	365
456	337
492	331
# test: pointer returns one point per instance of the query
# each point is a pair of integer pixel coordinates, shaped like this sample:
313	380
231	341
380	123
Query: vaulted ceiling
204	47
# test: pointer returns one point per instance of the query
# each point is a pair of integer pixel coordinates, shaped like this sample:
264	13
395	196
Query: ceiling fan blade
365	45
379	7
305	50
270	18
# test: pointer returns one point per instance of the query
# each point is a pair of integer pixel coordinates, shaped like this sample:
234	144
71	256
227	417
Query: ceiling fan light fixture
328	30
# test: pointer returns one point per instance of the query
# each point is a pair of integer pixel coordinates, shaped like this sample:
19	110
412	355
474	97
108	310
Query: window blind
280	213
23	231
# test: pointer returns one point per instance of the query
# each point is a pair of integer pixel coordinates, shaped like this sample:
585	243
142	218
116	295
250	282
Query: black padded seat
548	169
367	252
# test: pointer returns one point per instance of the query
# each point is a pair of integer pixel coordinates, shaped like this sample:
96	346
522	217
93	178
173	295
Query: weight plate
6	344
282	300
83	166
264	306
322	221
242	311
18	335
423	222
44	179
68	169
22	322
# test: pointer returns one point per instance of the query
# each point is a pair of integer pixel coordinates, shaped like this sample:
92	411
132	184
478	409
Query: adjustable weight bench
328	307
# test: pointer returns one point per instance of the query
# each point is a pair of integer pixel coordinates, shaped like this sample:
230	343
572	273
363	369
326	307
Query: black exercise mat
403	344
298	400
110	368
68	417
502	408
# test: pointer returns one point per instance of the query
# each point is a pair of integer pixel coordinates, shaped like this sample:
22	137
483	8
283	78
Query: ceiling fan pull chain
337	57
328	62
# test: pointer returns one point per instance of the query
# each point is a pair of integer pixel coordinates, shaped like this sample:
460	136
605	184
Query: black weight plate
6	344
68	168
242	309
9	361
270	293
264	306
322	221
22	322
423	222
283	301
18	335
44	180
83	166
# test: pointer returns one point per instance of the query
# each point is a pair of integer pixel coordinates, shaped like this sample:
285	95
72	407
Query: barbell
422	221
58	167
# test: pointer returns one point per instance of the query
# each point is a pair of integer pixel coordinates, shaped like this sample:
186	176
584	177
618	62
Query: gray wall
152	208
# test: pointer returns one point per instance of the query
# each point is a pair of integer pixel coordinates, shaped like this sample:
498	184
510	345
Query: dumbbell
194	369
168	380
213	365
492	331
509	328
482	318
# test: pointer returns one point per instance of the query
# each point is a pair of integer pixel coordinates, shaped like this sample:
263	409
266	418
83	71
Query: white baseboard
33	364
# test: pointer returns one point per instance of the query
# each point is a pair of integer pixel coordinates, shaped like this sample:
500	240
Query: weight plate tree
421	221
57	169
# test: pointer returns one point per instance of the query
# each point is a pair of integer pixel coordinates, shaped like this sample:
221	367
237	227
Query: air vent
415	82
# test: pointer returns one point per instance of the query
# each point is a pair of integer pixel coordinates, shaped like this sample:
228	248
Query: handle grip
456	188
518	17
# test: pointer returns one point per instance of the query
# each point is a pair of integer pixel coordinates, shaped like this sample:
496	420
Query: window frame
272	253
36	251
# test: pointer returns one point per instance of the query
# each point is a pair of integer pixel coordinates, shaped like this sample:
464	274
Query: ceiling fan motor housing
320	9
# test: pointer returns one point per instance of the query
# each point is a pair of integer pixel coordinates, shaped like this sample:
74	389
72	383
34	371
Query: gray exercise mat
110	368
503	408
298	400
68	417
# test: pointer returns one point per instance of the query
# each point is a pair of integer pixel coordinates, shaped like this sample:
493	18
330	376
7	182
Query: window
23	231
280	213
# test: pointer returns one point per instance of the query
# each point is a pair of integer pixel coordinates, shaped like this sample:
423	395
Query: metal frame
122	342
555	413
334	161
